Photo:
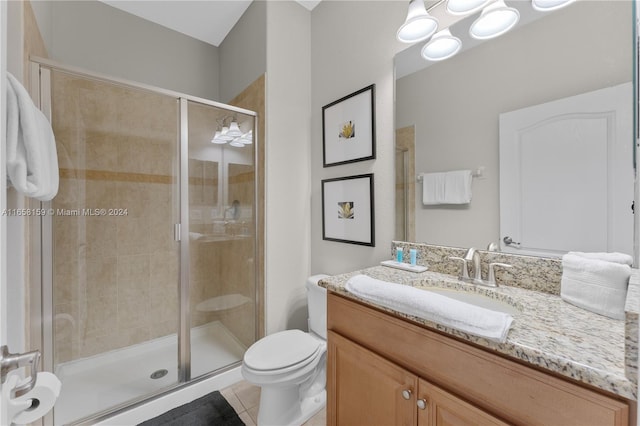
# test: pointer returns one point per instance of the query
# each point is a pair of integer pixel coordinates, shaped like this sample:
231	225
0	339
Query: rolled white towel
595	285
434	307
609	257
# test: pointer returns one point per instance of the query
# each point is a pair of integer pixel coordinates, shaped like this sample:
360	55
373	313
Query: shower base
93	384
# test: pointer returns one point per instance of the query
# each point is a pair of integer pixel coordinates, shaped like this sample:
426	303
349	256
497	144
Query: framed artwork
348	128
347	210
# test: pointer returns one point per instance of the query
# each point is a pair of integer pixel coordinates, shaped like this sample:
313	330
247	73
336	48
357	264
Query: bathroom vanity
560	365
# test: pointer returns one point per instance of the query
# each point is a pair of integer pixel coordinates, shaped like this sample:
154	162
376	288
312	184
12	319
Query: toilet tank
317	302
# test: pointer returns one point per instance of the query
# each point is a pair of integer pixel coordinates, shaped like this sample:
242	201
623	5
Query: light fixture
216	138
442	46
465	7
419	25
234	131
549	5
237	143
247	138
495	20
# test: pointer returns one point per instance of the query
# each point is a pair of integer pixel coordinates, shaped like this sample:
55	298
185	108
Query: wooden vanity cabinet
368	390
380	368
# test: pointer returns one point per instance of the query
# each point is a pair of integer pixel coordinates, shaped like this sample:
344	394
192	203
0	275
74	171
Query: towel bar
477	173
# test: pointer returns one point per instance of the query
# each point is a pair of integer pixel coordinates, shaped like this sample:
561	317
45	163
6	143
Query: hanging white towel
444	310
595	285
447	188
32	159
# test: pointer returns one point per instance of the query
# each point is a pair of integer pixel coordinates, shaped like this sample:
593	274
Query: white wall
243	53
97	37
455	104
15	225
353	44
288	128
3	184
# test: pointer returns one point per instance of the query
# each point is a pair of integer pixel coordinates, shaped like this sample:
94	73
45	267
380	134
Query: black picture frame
348	214
349	128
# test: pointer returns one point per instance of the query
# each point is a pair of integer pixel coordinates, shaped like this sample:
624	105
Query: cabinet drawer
518	394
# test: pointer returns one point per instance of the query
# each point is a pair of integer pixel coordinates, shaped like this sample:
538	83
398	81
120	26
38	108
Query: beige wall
455	104
243	53
288	111
100	38
353	44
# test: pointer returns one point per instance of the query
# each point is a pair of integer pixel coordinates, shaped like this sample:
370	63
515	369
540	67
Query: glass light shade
224	134
495	20
236	143
246	139
217	139
465	7
419	25
442	46
549	5
234	130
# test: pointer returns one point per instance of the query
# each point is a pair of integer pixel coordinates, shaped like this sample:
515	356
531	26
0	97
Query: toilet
290	366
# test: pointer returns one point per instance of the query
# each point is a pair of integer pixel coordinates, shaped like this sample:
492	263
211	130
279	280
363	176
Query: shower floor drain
158	374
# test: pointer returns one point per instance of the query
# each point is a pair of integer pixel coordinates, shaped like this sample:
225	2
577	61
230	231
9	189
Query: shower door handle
10	362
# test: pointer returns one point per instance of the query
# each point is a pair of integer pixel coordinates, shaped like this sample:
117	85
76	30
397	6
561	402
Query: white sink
473	299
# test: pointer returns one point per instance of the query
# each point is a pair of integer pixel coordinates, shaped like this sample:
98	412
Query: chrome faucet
474	274
472	256
470	269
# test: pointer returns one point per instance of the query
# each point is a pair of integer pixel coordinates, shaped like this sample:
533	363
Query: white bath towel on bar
595	285
447	188
434	307
32	159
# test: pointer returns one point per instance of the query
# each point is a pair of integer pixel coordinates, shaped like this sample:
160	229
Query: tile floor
245	398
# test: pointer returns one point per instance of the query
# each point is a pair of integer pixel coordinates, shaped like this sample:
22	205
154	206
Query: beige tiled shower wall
115	275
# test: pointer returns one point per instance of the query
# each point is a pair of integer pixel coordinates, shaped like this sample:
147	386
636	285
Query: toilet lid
281	350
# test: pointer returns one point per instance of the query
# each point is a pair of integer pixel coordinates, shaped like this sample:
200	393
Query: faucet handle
464	272
491	279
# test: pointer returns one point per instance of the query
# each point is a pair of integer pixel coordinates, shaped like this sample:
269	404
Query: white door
566	175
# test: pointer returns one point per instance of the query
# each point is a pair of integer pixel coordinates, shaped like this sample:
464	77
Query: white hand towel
432	188
447	188
595	285
32	159
615	257
434	307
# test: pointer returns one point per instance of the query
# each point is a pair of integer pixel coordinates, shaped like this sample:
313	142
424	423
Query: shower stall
144	264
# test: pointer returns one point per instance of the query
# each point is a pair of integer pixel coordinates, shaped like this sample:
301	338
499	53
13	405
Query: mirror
453	106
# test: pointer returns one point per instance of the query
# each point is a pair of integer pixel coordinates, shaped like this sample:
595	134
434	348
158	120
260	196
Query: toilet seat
282	352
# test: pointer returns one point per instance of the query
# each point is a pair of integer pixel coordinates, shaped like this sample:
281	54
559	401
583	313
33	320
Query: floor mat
211	409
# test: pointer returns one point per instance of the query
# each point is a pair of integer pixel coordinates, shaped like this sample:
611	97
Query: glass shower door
115	262
222	238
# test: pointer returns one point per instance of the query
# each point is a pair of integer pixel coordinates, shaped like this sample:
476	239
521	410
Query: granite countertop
547	333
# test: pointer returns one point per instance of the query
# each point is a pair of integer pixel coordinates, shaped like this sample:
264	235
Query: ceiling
209	21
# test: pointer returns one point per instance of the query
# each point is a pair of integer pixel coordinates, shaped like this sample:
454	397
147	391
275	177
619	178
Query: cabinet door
366	389
445	409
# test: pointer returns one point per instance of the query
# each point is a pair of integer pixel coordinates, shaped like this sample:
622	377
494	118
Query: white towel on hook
447	188
32	159
434	307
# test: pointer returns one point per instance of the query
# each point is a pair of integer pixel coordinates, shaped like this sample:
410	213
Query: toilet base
277	407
